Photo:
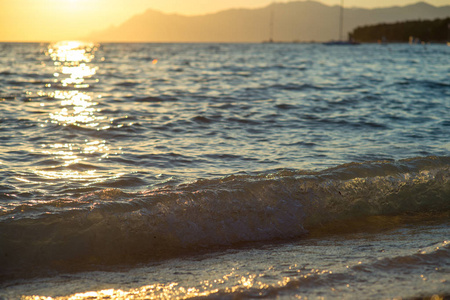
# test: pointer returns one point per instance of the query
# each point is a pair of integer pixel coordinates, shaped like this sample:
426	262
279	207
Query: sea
224	171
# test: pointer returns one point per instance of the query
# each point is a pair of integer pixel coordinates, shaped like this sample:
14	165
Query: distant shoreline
231	43
412	32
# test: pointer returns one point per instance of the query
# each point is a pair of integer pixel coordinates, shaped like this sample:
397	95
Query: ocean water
224	171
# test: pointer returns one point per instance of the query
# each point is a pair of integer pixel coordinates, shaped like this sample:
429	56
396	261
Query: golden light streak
73	65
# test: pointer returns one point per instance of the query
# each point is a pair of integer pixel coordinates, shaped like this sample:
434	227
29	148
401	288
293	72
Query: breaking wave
111	227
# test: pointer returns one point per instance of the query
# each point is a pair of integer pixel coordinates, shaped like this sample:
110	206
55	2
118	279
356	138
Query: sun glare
77	108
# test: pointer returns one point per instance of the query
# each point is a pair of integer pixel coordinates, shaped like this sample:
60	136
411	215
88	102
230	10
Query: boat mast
271	22
341	22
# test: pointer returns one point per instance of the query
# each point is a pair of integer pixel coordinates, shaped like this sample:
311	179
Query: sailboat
341	41
272	8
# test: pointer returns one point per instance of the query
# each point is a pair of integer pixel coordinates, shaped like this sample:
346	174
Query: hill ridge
294	20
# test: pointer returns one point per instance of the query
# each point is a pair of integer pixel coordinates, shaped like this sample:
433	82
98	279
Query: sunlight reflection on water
120	155
72	62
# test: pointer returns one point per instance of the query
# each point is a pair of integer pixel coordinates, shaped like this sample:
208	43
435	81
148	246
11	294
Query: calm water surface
224	170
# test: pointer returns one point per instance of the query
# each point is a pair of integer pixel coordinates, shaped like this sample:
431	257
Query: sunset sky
51	20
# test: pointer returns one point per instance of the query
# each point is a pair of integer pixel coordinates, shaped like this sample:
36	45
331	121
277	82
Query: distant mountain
298	20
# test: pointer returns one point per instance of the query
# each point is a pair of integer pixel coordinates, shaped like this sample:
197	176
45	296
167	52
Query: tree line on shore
428	31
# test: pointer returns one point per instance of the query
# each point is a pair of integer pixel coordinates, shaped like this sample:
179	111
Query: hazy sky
45	20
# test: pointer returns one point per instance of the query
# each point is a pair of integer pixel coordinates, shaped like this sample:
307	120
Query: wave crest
112	227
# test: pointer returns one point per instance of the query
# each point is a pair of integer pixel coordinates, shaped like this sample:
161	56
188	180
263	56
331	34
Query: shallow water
381	264
160	169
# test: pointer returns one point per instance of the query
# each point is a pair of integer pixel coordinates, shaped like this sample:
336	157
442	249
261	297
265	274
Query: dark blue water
115	156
